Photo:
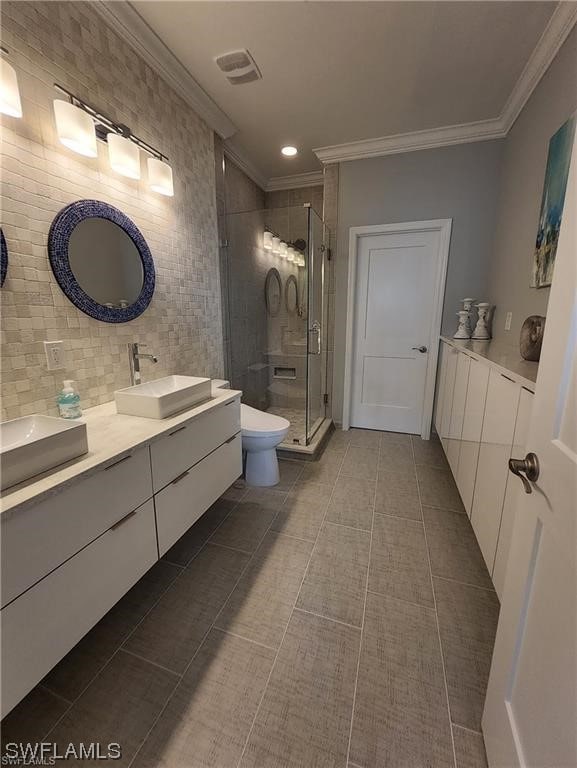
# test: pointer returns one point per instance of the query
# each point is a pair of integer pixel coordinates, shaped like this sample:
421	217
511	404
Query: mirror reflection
106	262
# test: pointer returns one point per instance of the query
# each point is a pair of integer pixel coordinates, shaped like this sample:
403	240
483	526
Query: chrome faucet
134	358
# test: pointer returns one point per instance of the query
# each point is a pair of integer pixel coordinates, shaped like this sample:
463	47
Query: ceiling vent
239	67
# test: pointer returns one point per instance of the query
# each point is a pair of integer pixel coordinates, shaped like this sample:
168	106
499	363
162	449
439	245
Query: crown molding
296	181
465	133
560	25
245	165
127	22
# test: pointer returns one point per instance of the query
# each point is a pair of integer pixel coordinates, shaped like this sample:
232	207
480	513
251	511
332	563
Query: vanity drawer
187	445
182	502
37	539
44	623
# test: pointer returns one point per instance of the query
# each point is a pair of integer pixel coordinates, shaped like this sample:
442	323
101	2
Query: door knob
527	469
421	349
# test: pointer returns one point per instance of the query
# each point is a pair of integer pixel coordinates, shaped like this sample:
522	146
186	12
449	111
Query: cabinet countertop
504	358
111	436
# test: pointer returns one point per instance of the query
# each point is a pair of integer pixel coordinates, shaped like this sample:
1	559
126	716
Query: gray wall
524	161
458	182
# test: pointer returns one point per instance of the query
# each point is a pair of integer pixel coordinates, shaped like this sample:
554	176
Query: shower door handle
316	329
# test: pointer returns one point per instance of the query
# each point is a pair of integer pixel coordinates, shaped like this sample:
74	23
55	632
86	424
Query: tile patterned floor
344	618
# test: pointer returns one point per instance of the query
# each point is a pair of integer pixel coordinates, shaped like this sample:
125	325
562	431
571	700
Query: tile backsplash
68	43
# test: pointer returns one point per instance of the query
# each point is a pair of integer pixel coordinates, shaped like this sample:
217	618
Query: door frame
443	226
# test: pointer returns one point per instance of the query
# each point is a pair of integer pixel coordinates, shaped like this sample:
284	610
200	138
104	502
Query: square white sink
162	398
32	444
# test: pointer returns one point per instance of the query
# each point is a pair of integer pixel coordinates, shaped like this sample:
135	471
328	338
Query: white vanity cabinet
47	621
458	411
69	553
477	384
482	417
492	468
512	490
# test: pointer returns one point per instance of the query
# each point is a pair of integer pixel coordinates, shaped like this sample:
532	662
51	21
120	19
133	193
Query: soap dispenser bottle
68	401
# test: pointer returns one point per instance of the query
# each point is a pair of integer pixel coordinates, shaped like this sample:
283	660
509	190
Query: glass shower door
316	319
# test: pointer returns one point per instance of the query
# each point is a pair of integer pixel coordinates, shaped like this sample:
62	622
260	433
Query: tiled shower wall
68	43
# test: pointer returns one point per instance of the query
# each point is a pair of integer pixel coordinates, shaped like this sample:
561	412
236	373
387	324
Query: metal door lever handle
526	469
422	348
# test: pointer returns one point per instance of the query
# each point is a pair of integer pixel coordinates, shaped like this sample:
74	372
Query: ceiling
339	72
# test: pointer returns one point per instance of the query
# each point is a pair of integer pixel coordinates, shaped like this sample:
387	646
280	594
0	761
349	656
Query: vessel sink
32	444
162	398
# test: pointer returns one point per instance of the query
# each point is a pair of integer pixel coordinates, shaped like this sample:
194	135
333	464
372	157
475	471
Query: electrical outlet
54	351
508	318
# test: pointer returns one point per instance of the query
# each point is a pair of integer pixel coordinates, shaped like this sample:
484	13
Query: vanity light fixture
276	245
79	125
283	250
124	156
9	93
75	128
267	240
289	151
160	176
291	254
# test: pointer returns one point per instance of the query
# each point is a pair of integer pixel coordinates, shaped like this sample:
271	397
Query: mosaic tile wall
68	43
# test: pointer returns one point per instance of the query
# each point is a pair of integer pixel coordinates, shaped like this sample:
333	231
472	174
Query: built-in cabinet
482	416
68	558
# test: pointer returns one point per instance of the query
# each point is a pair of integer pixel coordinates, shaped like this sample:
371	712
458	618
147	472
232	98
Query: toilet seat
256	423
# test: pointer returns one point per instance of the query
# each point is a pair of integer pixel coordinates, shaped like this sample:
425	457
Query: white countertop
111	436
503	357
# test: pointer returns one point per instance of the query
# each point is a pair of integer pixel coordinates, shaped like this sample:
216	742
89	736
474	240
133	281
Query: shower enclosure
274	272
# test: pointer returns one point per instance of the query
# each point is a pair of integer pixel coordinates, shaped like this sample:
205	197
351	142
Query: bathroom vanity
75	540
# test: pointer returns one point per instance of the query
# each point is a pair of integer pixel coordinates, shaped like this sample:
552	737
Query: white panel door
472	429
530	712
494	453
458	411
395	308
510	504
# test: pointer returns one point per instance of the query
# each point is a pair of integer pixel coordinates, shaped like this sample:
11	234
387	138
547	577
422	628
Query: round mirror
291	295
3	258
273	292
101	261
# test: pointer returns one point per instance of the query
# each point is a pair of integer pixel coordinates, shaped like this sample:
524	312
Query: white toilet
261	432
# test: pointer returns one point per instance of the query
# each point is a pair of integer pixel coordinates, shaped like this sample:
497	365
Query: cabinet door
39	538
471	433
492	469
440	391
458	412
512	490
448	390
43	624
188	497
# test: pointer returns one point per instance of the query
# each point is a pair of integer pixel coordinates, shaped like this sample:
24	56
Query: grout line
241	637
328	618
343	525
227	546
400	517
354	702
265	688
464	728
126	638
170	562
464	583
53	693
437	620
400	600
148	661
200	645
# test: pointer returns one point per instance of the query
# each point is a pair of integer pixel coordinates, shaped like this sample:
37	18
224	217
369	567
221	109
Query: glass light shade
124	156
160	177
9	93
267	240
276	245
283	250
289	151
291	255
75	128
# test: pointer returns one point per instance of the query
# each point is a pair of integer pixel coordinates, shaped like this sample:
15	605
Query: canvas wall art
556	175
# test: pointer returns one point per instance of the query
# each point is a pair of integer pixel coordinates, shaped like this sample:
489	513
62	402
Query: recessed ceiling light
289	151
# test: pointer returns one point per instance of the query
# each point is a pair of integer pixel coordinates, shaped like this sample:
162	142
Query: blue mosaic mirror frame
3	258
58	239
